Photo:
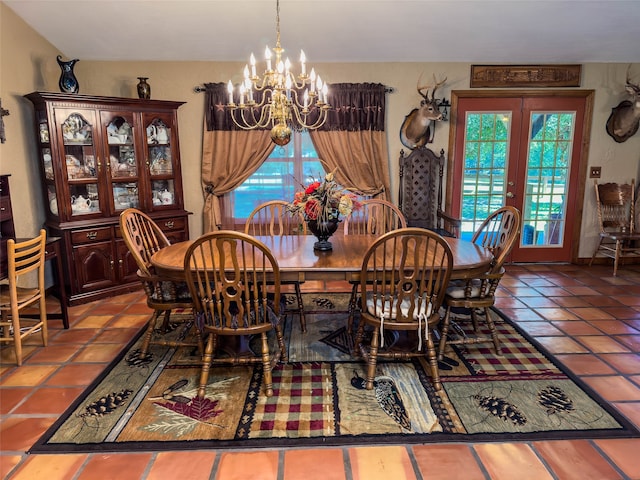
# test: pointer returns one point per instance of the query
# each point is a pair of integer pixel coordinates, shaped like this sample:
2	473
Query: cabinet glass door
46	158
80	162
160	158
122	161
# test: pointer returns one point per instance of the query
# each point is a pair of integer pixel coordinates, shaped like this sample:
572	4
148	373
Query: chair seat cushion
457	288
387	309
172	291
244	322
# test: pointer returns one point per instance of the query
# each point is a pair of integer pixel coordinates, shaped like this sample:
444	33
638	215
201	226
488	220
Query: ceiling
472	31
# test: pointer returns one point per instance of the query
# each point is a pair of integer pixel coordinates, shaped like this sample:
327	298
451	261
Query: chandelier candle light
286	100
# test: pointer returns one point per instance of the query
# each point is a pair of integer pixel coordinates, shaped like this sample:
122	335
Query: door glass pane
486	150
548	164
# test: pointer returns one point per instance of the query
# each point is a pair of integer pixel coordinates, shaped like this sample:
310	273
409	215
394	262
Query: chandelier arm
302	119
262	121
251	124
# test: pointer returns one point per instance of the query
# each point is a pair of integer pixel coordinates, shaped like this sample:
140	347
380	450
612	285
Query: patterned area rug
319	397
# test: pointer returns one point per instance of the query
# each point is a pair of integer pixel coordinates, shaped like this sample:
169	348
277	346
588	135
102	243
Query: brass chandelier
287	101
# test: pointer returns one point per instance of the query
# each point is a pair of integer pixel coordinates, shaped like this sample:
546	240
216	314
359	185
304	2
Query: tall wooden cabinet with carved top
99	156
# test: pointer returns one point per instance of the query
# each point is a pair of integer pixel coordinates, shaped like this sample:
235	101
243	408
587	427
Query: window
278	178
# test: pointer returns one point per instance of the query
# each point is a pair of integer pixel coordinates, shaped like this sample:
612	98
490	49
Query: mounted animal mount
624	119
417	129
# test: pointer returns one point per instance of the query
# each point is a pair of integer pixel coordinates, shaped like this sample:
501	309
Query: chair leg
372	358
493	330
303	321
144	349
432	358
206	365
44	328
352	307
616	260
17	338
358	340
444	333
283	348
266	366
595	252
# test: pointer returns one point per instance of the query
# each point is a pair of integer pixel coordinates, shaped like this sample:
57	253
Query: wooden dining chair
497	233
403	279
143	237
234	281
619	238
272	219
374	217
23	258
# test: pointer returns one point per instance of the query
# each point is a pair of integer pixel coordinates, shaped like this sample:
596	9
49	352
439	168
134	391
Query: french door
526	151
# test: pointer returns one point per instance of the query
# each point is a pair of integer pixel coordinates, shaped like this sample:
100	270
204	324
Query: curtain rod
199	89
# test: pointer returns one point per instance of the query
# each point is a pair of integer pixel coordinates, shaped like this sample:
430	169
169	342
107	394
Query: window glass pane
278	177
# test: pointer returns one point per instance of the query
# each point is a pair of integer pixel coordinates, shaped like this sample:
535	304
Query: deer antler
635	87
428	86
438	84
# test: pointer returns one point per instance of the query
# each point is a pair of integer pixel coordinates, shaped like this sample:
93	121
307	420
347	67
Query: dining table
298	261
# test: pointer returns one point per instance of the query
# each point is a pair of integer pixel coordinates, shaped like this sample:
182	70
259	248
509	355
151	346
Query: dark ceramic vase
323	231
144	89
68	82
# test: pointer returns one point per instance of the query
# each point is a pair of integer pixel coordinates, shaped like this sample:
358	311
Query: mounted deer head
624	119
416	129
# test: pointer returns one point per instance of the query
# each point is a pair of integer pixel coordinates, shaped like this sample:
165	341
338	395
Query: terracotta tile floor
588	318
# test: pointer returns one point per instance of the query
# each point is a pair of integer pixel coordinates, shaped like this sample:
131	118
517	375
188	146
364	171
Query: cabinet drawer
91	235
171	224
167	225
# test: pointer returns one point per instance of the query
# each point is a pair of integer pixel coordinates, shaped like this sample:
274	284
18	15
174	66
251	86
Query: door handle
510	195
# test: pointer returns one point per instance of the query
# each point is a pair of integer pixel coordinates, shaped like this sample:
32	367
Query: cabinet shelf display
99	156
122	160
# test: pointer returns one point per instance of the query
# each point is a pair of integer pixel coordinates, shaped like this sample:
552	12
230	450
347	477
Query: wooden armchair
376	217
421	190
272	219
619	237
234	281
498	233
411	268
143	238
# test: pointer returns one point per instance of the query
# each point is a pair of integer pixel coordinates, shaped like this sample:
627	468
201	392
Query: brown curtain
353	141
229	155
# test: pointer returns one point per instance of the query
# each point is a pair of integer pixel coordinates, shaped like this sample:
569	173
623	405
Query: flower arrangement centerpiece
321	203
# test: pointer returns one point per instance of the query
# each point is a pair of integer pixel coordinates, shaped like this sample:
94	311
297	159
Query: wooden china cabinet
99	156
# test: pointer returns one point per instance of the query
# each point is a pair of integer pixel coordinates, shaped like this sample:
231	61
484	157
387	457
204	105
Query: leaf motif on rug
170	422
201	409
